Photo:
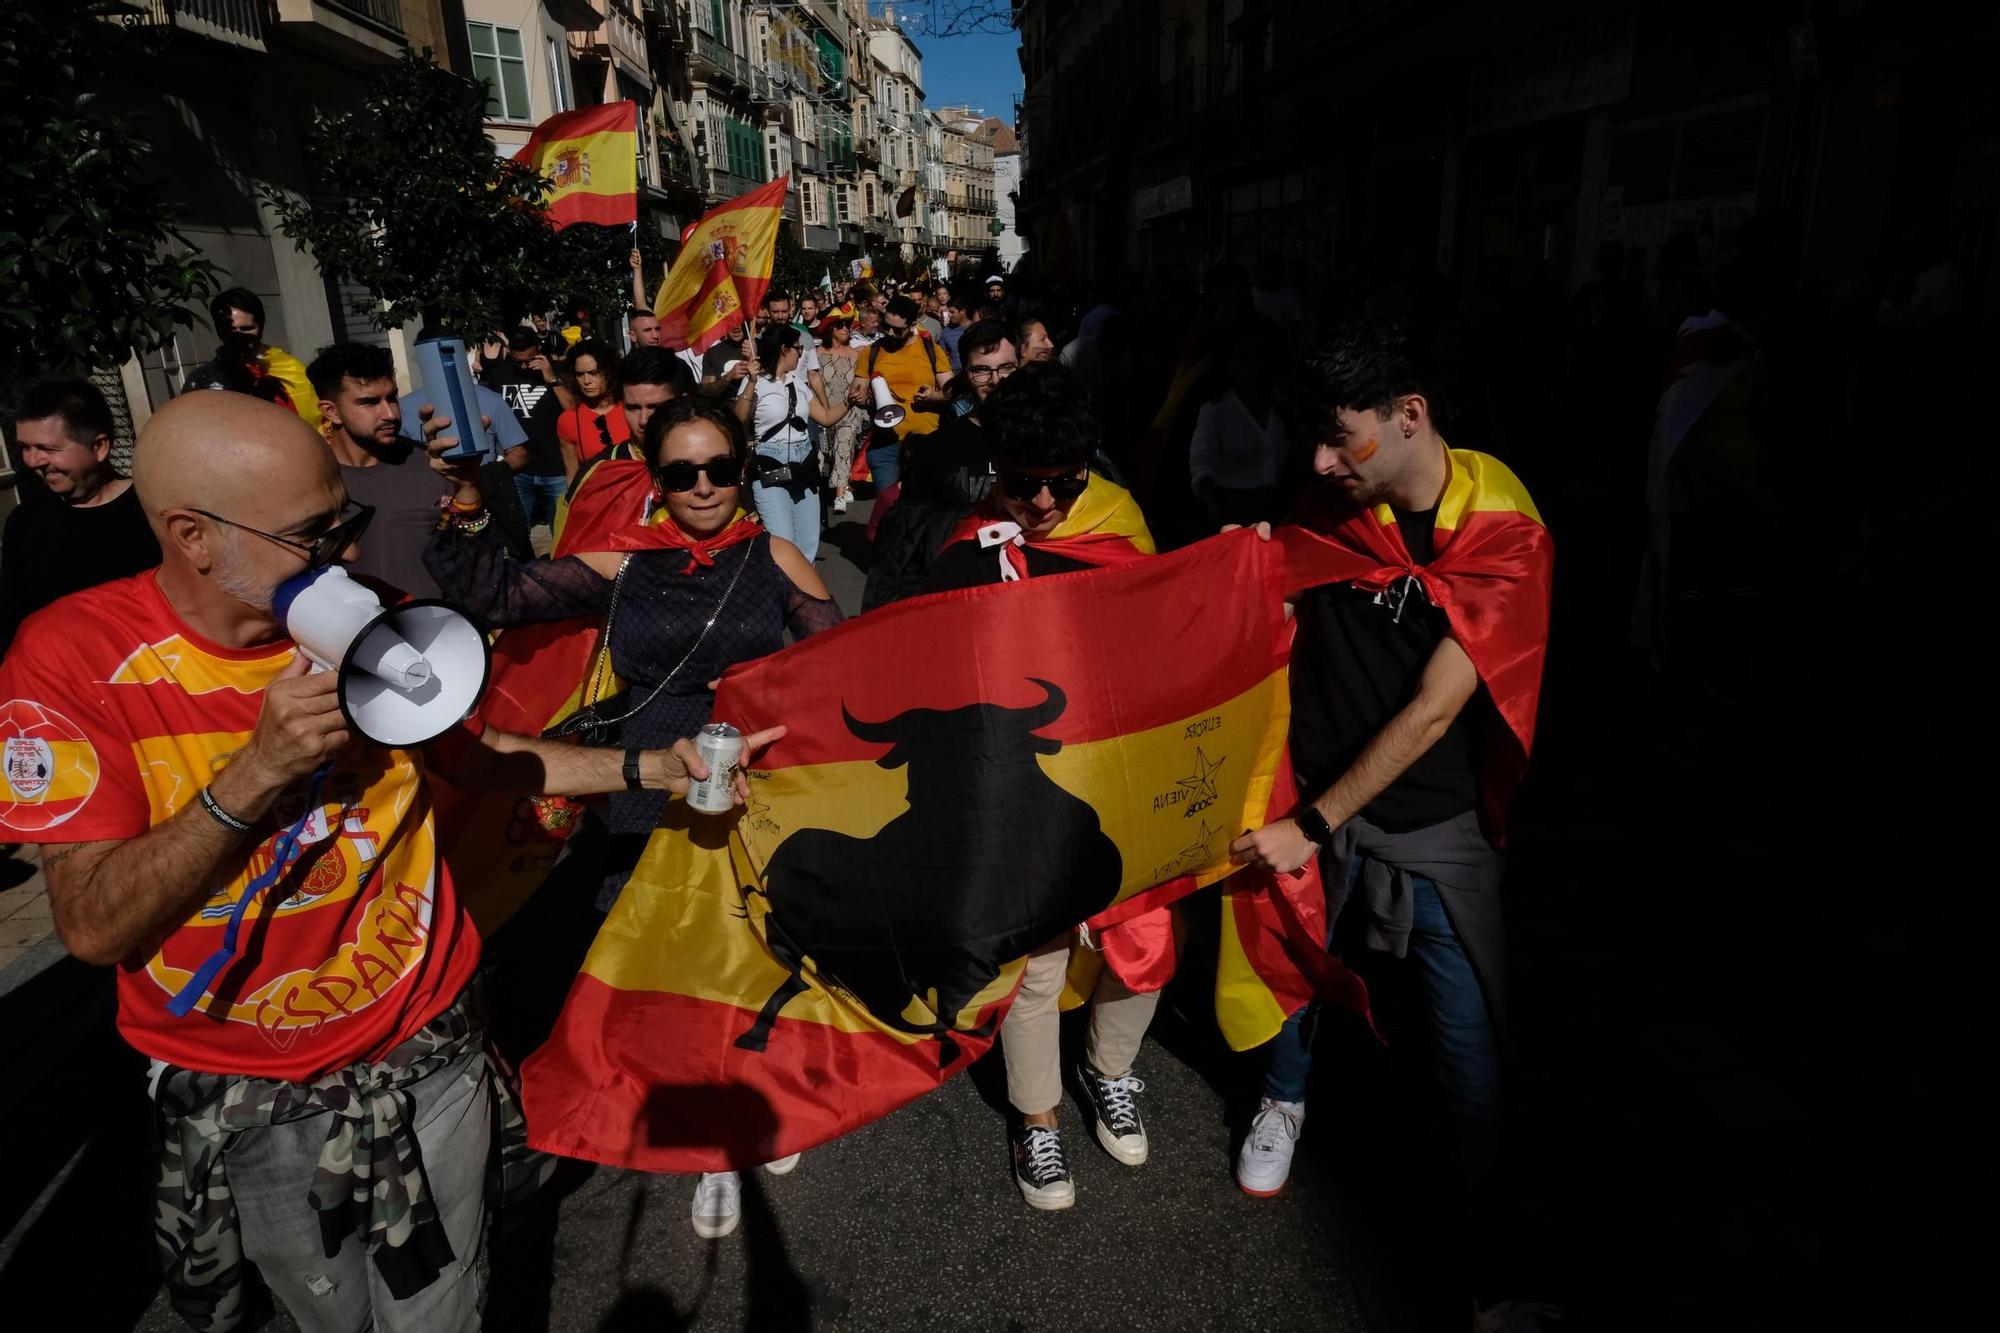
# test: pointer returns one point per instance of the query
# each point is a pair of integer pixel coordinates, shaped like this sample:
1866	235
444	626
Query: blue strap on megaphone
285	850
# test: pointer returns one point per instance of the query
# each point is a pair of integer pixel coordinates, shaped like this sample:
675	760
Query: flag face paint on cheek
1366	450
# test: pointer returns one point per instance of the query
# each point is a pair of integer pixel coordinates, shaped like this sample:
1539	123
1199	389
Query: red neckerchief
612	513
990	528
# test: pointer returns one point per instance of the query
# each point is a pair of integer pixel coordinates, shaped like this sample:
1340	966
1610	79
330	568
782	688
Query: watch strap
1313	824
631	769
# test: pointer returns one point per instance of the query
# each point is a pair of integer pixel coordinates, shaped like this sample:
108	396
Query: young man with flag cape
1046	514
1416	673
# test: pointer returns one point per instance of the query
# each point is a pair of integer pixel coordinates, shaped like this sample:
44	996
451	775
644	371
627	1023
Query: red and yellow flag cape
1080	747
592	156
1490	574
722	269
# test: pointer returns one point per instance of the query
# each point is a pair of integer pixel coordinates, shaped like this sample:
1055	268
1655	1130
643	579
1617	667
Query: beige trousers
1030	1037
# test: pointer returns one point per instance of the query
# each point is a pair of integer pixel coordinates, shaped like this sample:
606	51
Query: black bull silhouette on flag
991	859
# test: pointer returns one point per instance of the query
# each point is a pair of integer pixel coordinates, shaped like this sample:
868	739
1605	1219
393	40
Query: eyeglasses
604	432
681	476
895	330
987	374
324	549
1026	489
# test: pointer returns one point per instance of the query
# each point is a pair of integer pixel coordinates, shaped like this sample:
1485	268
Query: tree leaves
412	205
91	266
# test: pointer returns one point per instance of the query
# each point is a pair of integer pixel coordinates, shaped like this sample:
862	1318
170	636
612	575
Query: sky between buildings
981	70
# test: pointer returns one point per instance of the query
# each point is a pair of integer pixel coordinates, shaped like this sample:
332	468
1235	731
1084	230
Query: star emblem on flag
1201	786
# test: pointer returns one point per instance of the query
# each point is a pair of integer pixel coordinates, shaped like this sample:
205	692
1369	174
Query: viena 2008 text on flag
1078	748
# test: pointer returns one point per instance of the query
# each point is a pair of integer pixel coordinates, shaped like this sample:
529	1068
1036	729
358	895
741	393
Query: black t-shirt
951	465
51	549
536	406
718	356
1355	664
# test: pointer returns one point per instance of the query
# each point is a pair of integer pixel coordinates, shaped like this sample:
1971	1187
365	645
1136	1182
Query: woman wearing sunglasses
838	361
597	422
775	402
685	583
663	552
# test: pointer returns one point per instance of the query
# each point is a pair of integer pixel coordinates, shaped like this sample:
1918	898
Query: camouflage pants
364	1188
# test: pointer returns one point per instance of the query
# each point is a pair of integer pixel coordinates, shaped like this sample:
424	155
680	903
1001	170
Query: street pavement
914	1223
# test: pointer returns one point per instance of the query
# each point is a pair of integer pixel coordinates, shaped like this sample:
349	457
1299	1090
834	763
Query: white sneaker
718	1204
840	503
783	1166
1266	1159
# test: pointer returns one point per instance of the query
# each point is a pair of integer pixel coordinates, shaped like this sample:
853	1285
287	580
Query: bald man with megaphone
233	818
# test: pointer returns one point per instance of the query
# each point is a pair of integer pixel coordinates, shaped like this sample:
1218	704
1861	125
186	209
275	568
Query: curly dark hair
348	361
1364	365
984	336
691	408
1039	417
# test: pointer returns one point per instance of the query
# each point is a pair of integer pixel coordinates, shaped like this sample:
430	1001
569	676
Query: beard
235	583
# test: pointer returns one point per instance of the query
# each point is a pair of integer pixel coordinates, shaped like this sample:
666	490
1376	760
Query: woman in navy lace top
710	589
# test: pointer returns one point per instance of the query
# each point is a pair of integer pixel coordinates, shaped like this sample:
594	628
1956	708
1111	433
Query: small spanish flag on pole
592	155
737	241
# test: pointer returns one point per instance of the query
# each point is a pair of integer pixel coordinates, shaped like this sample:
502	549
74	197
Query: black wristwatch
632	782
1313	824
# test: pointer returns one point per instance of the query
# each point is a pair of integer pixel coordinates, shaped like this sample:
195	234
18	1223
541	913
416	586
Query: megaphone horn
408	674
888	412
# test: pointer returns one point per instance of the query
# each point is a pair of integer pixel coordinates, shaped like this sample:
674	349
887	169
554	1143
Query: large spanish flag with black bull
1490	573
966	776
592	156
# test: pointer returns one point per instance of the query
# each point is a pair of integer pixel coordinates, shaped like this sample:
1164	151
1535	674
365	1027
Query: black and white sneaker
1039	1169
1113	1106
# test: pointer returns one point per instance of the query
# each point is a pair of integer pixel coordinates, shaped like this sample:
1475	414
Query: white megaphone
888	412
407	674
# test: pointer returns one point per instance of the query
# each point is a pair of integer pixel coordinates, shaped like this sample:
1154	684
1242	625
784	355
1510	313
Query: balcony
351	31
727	184
828	16
231	22
711	57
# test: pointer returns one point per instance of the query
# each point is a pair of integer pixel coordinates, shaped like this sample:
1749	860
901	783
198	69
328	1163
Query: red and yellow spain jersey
113	714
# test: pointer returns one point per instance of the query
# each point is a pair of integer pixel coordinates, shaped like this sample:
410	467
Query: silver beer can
721	748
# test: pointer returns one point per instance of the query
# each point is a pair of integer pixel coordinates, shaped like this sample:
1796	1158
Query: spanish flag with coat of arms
723	268
592	156
1078	748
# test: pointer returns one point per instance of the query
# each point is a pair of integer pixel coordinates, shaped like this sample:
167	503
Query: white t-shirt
1232	450
789	443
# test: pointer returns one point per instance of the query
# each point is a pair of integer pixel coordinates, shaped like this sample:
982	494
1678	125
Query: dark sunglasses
1025	489
604	432
322	550
681	476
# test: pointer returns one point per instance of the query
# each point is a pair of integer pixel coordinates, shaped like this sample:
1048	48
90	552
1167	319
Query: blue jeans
885	464
794	519
1465	1047
539	496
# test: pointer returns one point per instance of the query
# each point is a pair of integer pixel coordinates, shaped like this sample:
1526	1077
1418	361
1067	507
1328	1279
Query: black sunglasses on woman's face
681	476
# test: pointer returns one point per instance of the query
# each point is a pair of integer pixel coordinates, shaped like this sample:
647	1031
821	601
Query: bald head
237	490
228	452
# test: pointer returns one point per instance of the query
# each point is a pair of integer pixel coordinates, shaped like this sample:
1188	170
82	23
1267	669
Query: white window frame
560	91
502	111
